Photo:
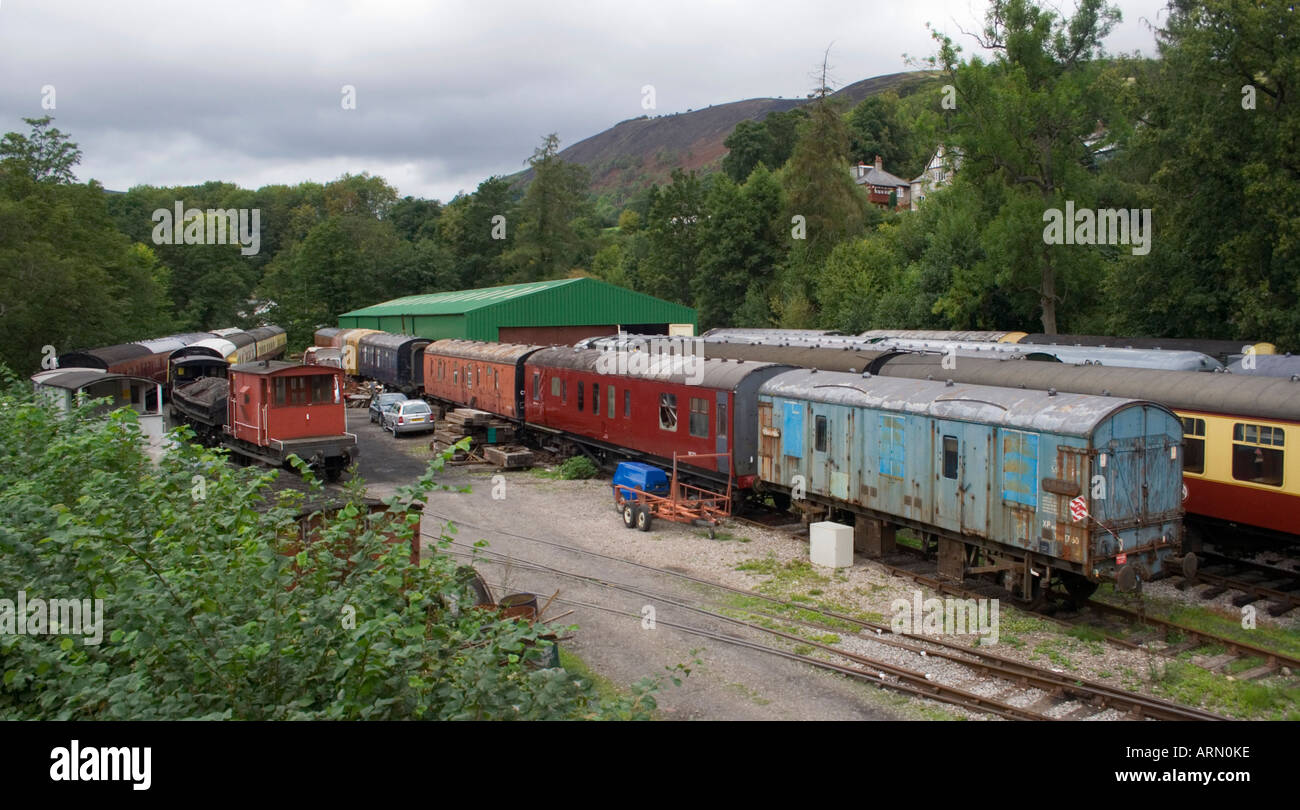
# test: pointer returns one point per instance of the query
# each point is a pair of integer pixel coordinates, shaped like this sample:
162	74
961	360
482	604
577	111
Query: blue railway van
1032	484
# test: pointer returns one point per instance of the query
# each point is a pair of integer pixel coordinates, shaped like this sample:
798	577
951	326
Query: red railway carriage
275	409
475	374
652	406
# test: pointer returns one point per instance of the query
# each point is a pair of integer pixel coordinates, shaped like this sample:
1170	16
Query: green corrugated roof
579	290
457	301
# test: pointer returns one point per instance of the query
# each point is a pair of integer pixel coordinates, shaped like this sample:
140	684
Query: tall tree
1027	126
547	242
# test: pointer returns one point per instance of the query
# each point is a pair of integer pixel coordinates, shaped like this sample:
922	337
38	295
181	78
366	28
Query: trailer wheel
629	515
643	518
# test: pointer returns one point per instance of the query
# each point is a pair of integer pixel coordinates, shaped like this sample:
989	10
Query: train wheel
332	473
643	518
629	515
1080	588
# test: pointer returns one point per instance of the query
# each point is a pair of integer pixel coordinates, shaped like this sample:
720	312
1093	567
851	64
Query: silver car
411	416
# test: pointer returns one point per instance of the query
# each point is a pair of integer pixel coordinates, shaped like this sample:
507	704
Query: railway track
1251	581
1042	693
925	572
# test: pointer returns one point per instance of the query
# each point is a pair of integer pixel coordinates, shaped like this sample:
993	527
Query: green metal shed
559	311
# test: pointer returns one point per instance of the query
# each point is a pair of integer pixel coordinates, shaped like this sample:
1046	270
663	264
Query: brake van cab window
699	426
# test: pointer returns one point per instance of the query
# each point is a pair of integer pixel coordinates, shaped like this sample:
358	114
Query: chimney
880	166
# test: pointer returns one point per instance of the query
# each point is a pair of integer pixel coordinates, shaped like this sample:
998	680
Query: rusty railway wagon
986	475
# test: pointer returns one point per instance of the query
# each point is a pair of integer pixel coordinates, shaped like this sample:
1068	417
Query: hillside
633	154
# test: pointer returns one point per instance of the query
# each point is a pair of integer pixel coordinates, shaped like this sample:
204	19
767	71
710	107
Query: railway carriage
1226	418
274	409
65	386
397	361
270	342
475	374
349	343
989	474
130	359
245	344
650	410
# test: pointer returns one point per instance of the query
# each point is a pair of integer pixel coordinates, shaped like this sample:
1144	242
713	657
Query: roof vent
853	371
1051	392
1105	392
814	371
948	384
866	374
931	377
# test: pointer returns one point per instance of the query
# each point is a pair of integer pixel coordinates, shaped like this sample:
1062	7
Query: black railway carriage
397	361
130	359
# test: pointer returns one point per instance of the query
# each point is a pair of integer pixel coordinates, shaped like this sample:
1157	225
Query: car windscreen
415	407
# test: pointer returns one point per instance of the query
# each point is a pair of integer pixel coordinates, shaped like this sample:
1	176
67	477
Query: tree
673	239
748	145
742	242
1024	124
1215	158
46	155
547	241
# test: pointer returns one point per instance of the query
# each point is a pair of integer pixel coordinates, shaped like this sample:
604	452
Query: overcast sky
447	93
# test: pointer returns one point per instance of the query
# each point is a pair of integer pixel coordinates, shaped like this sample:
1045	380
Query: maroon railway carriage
476	374
275	409
650	407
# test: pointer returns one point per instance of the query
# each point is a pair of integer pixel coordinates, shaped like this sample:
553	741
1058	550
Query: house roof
880	177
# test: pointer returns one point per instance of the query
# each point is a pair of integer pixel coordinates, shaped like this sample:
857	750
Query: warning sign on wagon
1078	509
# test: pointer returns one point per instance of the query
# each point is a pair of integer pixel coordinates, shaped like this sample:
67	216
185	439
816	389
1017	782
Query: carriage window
469	376
722	419
950	457
1254	458
595	398
627	402
699	426
279	390
537	386
610	410
668	411
455	376
1193	444
298	393
580	385
322	389
564	392
555	386
819	436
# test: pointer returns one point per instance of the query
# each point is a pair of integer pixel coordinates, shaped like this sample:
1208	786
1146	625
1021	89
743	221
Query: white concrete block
831	544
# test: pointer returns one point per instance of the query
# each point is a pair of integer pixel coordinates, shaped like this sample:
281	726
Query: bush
209	613
578	468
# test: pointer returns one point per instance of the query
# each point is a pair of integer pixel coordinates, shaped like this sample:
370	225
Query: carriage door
948	450
720	417
768	438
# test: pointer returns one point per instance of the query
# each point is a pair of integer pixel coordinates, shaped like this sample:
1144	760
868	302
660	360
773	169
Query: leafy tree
1023	123
742	241
212	608
673	239
46	155
470	231
547	243
748	145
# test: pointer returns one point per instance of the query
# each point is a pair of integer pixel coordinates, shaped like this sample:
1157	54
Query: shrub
578	467
207	615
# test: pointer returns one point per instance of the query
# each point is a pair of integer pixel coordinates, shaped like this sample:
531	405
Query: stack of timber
491	438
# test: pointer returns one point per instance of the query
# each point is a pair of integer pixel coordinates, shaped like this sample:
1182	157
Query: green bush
207	614
578	468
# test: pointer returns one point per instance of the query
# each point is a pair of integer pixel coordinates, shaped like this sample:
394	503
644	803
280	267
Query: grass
1249	700
605	688
1210	620
721	536
790	580
1052	649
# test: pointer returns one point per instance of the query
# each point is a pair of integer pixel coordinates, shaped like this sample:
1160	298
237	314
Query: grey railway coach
1030	484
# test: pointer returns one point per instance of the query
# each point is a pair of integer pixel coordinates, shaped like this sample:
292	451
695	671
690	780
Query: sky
447	93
